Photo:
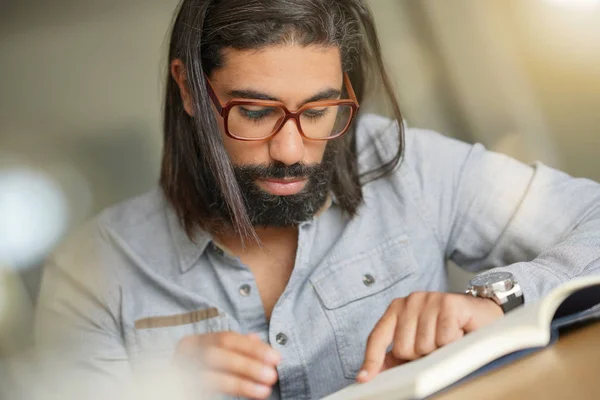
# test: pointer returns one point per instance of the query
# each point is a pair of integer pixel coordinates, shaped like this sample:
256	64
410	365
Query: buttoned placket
293	373
245	298
280	331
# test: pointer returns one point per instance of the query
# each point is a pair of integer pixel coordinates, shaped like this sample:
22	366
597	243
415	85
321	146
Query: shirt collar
328	203
188	251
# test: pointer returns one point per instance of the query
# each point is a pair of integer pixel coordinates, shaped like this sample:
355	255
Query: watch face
491	278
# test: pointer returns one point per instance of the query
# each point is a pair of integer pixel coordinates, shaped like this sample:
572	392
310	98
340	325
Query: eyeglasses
253	120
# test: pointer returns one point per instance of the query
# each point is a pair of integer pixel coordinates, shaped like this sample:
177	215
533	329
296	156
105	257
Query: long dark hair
196	170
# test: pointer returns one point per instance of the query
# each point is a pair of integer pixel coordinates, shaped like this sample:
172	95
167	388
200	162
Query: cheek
313	152
243	153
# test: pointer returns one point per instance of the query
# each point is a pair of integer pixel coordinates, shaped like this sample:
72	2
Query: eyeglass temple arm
350	88
213	96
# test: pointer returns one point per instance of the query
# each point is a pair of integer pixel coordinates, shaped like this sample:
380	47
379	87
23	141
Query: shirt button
245	290
368	280
281	339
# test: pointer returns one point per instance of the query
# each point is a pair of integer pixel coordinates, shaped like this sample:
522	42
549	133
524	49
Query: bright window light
576	4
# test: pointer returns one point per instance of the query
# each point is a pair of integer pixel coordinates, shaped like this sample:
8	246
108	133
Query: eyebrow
326	94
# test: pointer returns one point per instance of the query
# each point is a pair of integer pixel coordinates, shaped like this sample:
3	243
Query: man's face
286	178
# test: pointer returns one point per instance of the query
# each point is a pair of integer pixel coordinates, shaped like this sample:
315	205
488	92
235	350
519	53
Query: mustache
277	170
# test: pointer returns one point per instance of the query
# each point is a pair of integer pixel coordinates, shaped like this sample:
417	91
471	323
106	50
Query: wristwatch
498	286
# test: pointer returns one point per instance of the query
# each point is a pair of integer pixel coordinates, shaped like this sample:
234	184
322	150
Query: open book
520	332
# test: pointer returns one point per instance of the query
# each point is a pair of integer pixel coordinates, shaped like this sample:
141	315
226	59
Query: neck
270	237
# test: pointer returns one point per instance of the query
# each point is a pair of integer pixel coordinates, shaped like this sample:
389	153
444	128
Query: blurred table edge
570	368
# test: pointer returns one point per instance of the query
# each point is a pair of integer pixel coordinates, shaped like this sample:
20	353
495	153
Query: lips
283	187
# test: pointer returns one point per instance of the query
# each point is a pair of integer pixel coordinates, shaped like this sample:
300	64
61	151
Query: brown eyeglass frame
223	110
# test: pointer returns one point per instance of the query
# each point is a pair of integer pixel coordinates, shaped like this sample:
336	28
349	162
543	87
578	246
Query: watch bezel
487	284
501	287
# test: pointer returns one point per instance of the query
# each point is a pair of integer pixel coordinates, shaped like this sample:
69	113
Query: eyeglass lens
320	122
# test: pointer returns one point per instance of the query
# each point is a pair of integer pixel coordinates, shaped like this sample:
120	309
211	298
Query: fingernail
261	390
272	357
362	374
269	374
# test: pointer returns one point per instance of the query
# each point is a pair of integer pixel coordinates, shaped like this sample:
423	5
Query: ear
178	73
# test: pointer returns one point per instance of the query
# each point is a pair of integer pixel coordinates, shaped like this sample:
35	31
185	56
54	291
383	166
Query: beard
269	210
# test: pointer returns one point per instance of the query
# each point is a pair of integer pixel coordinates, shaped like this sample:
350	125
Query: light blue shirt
447	200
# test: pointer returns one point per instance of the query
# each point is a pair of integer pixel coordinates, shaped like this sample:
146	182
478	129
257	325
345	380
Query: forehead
281	70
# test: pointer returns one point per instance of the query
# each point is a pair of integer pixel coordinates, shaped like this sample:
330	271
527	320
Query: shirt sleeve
77	329
491	211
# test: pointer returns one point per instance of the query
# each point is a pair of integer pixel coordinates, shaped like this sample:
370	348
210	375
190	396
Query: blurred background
81	81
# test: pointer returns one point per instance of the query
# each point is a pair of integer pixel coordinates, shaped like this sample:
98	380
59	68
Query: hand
421	323
232	363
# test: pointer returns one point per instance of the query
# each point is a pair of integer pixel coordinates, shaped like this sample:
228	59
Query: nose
287	146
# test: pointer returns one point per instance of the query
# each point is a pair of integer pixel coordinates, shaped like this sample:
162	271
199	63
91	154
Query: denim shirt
131	284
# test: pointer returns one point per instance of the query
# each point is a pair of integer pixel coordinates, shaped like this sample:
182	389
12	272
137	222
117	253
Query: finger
232	385
254	336
377	344
245	345
391	361
426	330
233	363
448	329
406	331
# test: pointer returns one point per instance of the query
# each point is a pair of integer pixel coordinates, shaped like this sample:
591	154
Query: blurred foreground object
33	217
36	211
16	314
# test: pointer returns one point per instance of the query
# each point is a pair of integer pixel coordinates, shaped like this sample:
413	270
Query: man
297	245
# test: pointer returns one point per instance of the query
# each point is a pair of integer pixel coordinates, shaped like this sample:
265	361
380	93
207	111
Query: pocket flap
365	274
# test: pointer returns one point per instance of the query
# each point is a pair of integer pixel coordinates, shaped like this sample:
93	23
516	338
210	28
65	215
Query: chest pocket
356	292
156	338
